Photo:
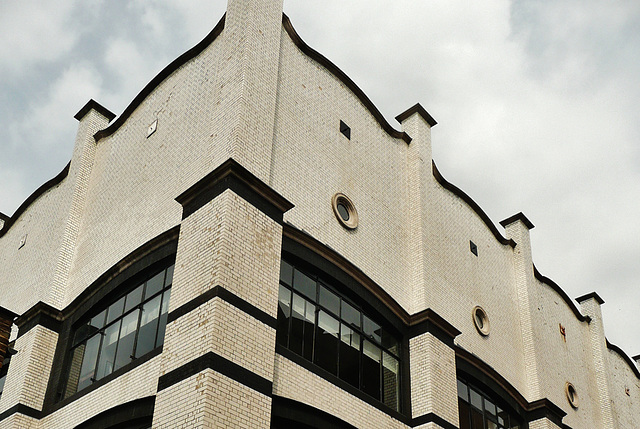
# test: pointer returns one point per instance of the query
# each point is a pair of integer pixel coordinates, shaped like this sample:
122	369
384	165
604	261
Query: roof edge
160	77
9	221
624	356
474	206
417	108
593	295
335	70
518	216
553	285
92	104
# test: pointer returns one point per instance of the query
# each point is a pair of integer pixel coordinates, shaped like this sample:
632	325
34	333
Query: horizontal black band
229	297
432	418
221	365
21	409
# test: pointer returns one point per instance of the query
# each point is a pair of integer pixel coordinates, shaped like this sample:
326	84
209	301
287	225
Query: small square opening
344	129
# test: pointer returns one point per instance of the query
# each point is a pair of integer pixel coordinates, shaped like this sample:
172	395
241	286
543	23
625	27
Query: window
129	328
479	410
3	371
316	322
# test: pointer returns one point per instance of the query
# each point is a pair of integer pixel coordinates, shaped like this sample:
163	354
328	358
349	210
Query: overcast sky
537	105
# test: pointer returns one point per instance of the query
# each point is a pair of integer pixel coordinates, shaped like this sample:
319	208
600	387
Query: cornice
9	221
474	206
417	108
160	77
553	285
624	356
346	80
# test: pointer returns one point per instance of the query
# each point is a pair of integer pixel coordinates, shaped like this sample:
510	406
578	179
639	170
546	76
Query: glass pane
490	407
148	327
133	298
390	380
2	379
168	279
284	312
464	414
490	424
349	355
389	342
329	300
371	328
98	322
154	285
476	399
115	310
88	357
127	339
286	273
310	314
297	324
476	419
81	334
350	314
326	351
108	351
304	284
463	392
164	313
371	369
502	416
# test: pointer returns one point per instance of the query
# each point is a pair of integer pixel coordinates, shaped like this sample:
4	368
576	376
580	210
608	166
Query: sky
536	103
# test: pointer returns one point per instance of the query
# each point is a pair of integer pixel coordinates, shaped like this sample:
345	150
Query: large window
129	328
479	410
318	323
3	373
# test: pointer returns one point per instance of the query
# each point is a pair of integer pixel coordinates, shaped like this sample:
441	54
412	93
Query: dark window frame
365	313
88	329
153	255
495	401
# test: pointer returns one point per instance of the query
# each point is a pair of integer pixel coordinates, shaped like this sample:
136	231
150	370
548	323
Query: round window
481	320
345	211
572	395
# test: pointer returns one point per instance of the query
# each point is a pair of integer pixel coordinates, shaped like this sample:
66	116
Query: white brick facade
241	170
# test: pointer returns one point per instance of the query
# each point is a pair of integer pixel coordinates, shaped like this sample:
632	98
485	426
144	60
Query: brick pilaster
219	351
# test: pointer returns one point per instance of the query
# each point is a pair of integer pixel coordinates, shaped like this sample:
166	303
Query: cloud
35	32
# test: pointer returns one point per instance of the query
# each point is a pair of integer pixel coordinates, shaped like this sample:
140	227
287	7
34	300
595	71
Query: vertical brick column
590	306
517	228
417	123
219	350
28	374
434	390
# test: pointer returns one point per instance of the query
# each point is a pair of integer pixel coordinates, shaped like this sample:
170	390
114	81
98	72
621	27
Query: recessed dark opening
344	213
473	248
344	129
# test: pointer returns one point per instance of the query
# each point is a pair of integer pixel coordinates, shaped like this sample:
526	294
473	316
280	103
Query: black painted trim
432	418
227	296
346	80
98	384
153	254
471	366
92	104
624	356
231	175
417	108
138	409
301	413
593	295
9	221
327	376
41	314
474	206
21	409
518	216
553	285
160	77
428	321
222	365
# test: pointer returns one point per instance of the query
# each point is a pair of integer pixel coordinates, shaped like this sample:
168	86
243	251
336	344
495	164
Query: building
252	244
